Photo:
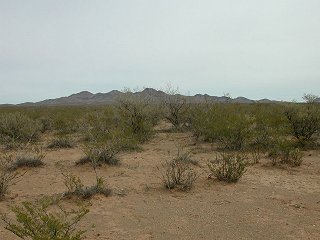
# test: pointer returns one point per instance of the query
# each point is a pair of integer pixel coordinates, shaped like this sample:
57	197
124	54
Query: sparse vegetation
228	167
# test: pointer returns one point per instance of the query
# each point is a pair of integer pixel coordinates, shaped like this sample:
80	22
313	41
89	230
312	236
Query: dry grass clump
60	142
28	159
76	188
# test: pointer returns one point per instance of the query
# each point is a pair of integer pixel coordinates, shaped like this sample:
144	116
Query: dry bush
34	220
179	173
7	177
176	107
229	167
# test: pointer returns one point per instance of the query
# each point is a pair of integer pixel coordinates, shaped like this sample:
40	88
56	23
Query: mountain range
88	98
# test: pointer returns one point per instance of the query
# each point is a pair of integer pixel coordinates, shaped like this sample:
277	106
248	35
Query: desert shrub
98	125
100	153
60	142
261	138
34	220
32	158
304	122
137	115
179	173
16	127
7	177
175	107
229	167
46	124
285	152
229	125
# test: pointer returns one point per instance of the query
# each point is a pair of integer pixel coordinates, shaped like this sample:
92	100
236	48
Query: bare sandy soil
267	203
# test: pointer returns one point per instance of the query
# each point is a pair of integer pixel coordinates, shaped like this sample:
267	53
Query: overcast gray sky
251	48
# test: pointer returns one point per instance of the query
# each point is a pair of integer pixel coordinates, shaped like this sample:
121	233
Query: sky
252	48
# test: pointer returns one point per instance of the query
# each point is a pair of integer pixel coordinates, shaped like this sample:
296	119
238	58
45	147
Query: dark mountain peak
83	95
242	100
153	92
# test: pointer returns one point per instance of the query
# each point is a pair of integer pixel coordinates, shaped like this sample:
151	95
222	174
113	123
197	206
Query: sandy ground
267	203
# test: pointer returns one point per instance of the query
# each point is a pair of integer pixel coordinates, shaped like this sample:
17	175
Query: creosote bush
34	220
229	167
179	173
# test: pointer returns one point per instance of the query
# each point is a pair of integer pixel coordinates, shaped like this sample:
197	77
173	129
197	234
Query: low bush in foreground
229	167
35	221
179	173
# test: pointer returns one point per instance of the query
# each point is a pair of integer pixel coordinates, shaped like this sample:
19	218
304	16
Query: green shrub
285	152
229	167
35	221
137	115
16	127
304	122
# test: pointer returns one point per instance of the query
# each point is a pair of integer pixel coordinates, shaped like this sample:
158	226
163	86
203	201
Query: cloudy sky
252	48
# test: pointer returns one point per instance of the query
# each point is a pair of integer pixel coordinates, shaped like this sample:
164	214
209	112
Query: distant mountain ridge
88	98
